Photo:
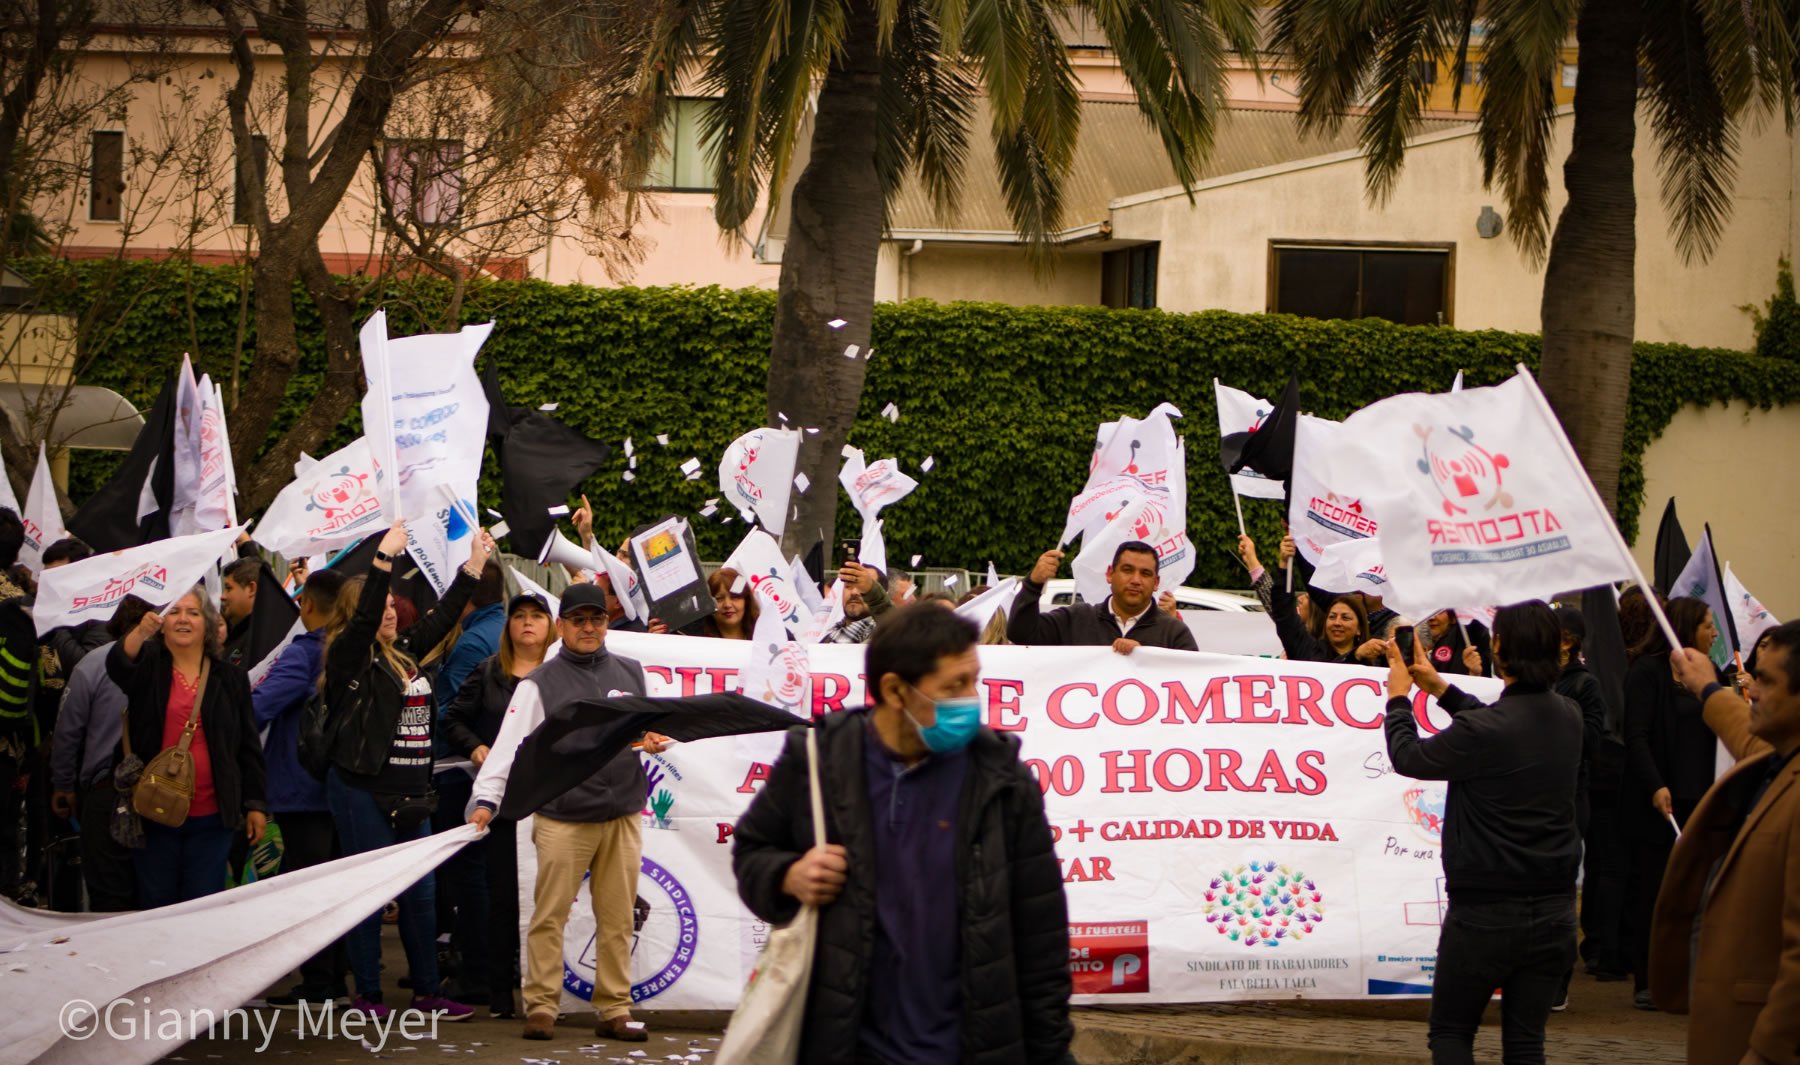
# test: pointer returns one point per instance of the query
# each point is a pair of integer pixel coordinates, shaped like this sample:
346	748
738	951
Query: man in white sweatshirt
592	829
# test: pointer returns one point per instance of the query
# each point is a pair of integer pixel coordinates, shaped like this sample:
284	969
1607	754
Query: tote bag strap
812	773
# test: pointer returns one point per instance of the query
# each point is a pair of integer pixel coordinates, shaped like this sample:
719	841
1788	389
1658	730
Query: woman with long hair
1342	634
471	724
169	666
379	783
1670	755
734	607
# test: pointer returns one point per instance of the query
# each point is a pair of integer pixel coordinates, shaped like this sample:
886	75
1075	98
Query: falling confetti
950	581
850	352
891	413
559	511
634	462
801	482
629	476
546	407
691	466
492	513
663	439
628	448
709	510
915	560
925	467
810	429
837	323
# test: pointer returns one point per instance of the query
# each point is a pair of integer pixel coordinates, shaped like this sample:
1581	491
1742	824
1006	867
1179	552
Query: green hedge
1005	398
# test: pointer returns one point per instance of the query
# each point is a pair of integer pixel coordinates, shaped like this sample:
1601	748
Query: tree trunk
1590	300
828	273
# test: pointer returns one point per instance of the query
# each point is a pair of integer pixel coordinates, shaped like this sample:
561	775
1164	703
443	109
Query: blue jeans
362	827
178	864
1522	946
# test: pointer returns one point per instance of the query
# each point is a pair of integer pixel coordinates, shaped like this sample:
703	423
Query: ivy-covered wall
1005	399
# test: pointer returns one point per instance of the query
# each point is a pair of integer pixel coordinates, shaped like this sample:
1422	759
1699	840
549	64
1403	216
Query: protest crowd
298	694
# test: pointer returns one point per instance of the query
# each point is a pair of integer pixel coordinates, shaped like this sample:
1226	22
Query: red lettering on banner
1420	702
1211	700
1003	700
663	673
1115	770
759	772
1311	765
1505	528
1064	777
1225	766
1272	772
1189	764
690	679
1340	702
1110	704
1054	706
1250	700
725	829
1303	694
723	679
829	690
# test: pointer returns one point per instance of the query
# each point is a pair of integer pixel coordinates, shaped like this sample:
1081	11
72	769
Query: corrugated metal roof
1118	155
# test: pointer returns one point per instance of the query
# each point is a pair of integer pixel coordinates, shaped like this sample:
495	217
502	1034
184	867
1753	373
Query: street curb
1096	1044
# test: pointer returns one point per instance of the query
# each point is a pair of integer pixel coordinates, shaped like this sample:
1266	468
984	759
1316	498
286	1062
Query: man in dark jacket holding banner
943	931
1126	620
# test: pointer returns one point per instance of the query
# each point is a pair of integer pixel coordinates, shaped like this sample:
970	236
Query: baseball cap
583	596
517	601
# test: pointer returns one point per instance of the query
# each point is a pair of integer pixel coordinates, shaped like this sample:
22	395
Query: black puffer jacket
361	686
473	718
1015	927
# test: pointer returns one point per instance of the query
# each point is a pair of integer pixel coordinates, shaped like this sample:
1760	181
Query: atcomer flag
330	504
1144	460
758	559
424	389
1478	498
158	573
1352	566
805	585
779	672
1701	579
1750	616
1131	521
189	410
757	475
42	516
625	586
873	485
1241	414
1322	510
214	505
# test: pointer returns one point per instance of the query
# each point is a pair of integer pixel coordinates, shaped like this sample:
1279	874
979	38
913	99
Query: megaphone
560	550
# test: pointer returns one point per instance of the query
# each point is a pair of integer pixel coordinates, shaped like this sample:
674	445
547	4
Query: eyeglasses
586	621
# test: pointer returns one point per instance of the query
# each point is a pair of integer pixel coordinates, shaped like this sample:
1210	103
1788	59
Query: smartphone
852	549
1403	639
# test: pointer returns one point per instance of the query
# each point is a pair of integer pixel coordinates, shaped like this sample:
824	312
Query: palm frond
1518	111
680	31
924	111
1412	39
1035	150
1693	118
1330	45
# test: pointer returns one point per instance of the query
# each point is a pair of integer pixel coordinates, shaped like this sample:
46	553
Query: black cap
1571	621
583	595
534	599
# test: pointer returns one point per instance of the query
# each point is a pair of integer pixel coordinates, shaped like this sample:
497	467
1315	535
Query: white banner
1228	828
1478	498
1241	412
8	498
757	475
1701	579
426	390
158	573
42	516
330	504
1320	511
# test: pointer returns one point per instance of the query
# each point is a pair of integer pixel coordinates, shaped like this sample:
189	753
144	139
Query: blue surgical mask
957	722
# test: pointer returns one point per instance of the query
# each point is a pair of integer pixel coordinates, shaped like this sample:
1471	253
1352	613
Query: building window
1406	284
1128	277
683	164
1427	71
424	180
241	194
1474	74
106	182
1570	72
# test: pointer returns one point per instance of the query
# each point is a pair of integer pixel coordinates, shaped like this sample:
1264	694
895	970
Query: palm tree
1703	69
897	81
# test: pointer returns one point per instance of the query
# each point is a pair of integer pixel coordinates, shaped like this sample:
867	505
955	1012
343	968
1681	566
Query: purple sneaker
444	1008
374	1009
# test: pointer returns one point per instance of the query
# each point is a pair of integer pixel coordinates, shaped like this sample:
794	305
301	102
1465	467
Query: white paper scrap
499	530
837	323
691	466
629	476
891	413
916	558
709	510
950	581
628	447
559	511
492	513
850	352
663	439
925	467
546	406
810	430
801	482
634	462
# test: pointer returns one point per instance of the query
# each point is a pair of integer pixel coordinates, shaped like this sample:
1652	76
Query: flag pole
1612	525
1239	504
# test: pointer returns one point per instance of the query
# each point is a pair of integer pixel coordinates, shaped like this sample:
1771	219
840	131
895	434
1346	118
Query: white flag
424	388
873	485
1133	516
757	475
189	410
158	573
779	671
1457	385
1752	618
8	498
983	607
527	586
1352	566
1241	412
1478	498
805	585
993	575
625	586
1143	461
872	551
42	517
330	504
214	507
1700	579
1322	511
765	572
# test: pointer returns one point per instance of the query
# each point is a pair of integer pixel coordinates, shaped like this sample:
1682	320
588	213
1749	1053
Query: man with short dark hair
1511	845
943	930
1126	620
297	798
1725	943
237	590
865	601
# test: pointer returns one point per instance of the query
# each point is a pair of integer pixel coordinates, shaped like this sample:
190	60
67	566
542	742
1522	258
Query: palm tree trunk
828	273
1590	282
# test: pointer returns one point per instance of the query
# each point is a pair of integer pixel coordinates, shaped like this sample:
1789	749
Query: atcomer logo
128	1019
1480	523
1345	517
665	935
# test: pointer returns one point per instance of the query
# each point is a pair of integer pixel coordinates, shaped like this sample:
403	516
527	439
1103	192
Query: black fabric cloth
108	520
1672	551
1090	624
256	637
73	642
1578	685
1509	822
1523	947
1667	743
226	716
541	462
1270	449
1604	870
363	694
500	855
106	866
582	737
617	788
1296	642
473	717
1014	983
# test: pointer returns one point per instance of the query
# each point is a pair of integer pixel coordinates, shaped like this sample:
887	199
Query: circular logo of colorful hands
1263	904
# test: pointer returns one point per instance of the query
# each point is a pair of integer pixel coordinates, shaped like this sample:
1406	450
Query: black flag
1270	449
578	740
1728	623
541	462
254	641
1672	551
1603	649
109	520
408	582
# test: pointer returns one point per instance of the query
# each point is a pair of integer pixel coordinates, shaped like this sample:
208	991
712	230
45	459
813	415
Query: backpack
318	729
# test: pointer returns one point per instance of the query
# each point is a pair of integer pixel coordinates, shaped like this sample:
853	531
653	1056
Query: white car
1062	593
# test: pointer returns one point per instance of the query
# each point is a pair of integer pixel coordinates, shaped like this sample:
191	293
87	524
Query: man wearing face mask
943	931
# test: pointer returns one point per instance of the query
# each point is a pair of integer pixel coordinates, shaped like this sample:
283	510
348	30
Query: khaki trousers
610	851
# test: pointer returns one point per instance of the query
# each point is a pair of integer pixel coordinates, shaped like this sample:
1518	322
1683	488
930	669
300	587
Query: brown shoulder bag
165	789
